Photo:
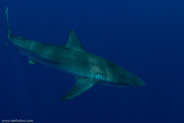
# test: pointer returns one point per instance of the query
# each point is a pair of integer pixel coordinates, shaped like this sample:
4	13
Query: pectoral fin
81	86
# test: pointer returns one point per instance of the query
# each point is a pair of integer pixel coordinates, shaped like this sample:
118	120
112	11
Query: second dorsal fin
73	41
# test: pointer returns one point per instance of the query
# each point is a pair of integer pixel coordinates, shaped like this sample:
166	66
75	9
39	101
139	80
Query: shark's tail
10	35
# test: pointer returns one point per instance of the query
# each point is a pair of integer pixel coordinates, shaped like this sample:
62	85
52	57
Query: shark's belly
39	58
72	63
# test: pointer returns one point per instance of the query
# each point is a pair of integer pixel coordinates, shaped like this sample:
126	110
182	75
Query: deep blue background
144	36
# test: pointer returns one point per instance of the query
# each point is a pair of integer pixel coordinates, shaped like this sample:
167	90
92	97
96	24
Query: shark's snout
135	81
140	82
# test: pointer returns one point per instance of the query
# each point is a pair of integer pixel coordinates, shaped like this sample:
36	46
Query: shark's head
119	76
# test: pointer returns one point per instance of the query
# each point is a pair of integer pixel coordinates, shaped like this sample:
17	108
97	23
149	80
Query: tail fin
10	35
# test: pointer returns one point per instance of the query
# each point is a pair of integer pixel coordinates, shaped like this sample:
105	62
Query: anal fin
81	86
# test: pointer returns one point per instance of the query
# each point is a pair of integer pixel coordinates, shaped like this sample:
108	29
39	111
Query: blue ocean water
146	37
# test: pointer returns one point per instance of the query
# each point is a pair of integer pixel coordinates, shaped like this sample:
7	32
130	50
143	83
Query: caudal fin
10	35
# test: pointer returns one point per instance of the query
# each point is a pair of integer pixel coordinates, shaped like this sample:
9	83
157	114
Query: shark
88	69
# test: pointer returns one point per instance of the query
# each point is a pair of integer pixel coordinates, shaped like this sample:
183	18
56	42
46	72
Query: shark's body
88	69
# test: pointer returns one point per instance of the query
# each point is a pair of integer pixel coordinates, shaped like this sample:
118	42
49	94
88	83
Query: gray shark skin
87	68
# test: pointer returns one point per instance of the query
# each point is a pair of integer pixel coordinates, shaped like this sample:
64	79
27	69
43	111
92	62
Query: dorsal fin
73	41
